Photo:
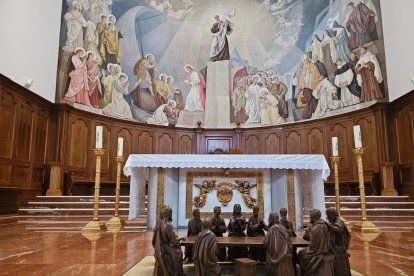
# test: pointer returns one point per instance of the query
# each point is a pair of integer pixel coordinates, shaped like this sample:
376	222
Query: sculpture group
325	255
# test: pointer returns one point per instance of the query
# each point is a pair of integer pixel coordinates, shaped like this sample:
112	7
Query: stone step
385	219
370	199
378	212
75	204
374	205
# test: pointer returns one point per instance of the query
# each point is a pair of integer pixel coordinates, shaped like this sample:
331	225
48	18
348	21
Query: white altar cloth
230	161
309	172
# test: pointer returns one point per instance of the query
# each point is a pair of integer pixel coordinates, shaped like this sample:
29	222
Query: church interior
129	146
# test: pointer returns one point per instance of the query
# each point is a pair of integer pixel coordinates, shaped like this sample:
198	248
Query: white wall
29	41
398	25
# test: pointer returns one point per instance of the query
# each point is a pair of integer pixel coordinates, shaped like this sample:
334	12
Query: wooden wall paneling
315	140
272	144
165	144
345	145
293	142
252	144
78	146
8	123
39	149
145	143
185	144
369	141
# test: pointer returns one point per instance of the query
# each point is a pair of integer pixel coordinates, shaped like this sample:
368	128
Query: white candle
357	136
99	137
120	150
335	149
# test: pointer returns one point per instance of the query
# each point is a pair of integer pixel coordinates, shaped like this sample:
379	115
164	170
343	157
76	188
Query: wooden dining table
245	241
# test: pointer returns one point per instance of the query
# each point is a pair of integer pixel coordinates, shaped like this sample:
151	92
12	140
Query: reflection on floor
25	252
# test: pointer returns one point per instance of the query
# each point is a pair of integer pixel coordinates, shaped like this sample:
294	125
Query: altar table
291	181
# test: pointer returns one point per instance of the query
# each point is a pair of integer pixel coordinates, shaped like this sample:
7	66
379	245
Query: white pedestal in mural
190	118
217	113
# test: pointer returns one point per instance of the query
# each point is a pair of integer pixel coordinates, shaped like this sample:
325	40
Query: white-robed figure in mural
253	101
326	94
75	23
269	112
346	81
78	86
220	45
161	114
195	99
118	106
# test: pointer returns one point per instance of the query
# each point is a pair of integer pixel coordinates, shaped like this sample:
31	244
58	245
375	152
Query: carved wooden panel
272	143
7	124
368	132
21	175
78	148
165	144
344	147
145	143
38	178
252	145
185	145
5	174
293	143
315	141
404	132
24	135
40	136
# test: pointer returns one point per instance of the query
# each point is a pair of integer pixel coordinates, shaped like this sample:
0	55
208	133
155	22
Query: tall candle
335	149
99	137
120	150
357	136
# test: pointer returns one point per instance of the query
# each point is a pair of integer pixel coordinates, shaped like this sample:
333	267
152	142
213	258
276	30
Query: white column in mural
217	112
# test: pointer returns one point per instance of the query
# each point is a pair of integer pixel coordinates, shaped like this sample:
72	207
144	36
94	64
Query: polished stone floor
24	252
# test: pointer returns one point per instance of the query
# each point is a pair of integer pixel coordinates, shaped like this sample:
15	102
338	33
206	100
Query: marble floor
25	252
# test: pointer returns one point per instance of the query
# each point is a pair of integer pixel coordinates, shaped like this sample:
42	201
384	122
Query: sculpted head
283	212
166	213
273	218
331	214
236	209
206	224
315	215
196	214
217	210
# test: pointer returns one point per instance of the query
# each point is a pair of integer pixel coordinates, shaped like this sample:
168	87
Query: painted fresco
289	60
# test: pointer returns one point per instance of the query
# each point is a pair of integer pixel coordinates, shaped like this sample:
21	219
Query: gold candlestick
335	161
95	226
116	223
365	226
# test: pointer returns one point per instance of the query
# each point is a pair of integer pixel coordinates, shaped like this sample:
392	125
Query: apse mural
289	60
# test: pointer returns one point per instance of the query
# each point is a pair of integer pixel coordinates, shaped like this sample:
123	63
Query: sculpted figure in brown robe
218	227
255	228
286	223
317	259
195	226
205	253
278	249
340	241
236	228
167	249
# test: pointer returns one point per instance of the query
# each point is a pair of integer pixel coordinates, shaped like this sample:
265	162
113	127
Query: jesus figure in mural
220	45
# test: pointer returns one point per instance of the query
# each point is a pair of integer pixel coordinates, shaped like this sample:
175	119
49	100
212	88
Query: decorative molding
160	189
291	197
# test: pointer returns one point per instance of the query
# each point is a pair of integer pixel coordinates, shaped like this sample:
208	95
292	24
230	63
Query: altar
186	182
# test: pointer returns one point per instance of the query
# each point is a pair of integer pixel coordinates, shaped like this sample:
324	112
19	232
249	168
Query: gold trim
160	190
232	174
291	197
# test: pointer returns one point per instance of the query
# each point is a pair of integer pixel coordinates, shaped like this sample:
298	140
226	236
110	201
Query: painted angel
244	188
205	188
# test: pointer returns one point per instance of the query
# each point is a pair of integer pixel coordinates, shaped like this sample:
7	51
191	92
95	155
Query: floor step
369	198
374	205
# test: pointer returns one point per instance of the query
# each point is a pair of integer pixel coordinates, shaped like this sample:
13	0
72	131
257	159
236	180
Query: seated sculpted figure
167	249
195	226
340	240
317	258
255	228
236	228
278	249
286	223
218	227
205	252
